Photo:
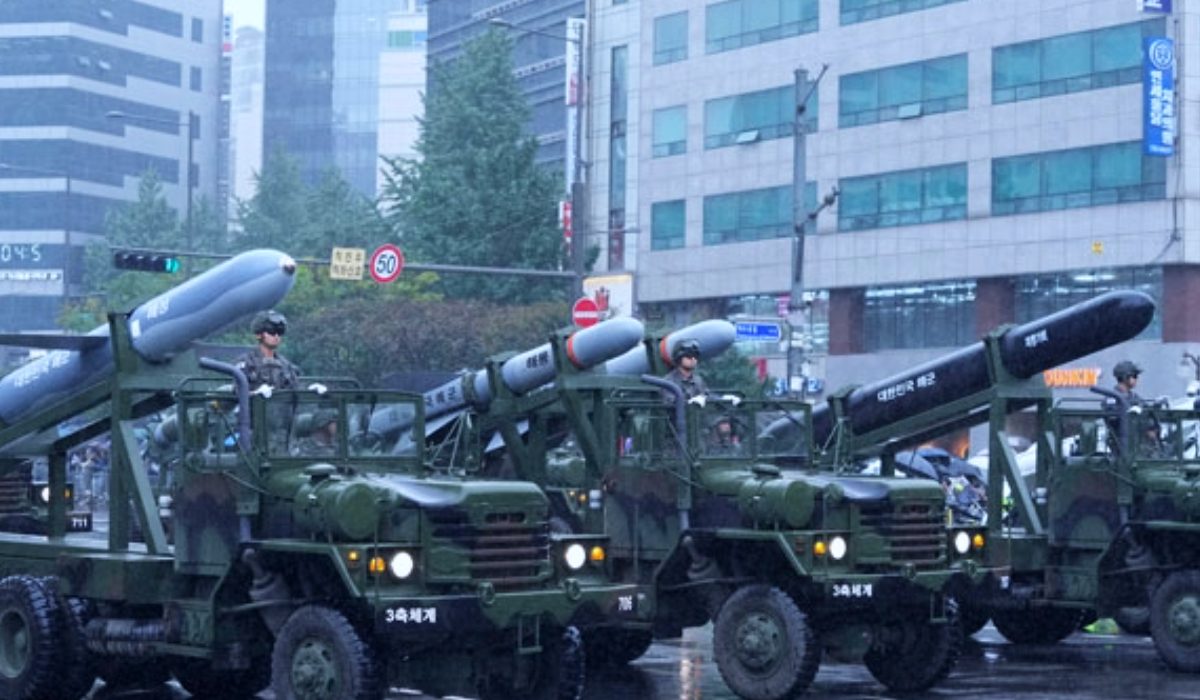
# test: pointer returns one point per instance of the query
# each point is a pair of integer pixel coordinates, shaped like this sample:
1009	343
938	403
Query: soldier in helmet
686	358
1126	373
264	366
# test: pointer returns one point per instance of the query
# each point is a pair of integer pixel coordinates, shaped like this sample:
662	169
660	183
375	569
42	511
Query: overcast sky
246	12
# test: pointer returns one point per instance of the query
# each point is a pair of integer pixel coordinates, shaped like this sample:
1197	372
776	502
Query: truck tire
78	673
1175	620
909	653
29	667
763	645
1134	621
557	675
318	655
1041	626
198	677
608	647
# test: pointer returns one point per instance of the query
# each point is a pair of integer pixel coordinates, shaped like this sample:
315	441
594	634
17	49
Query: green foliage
369	339
147	223
732	371
475	195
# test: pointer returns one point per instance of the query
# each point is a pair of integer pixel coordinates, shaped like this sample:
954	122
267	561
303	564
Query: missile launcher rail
788	563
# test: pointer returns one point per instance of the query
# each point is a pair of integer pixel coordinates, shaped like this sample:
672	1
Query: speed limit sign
386	263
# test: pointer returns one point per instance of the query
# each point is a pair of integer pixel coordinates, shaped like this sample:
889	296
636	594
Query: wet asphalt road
1084	667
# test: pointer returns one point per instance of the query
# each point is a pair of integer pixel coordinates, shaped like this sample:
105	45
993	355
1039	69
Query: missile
158	329
714	337
1024	351
523	372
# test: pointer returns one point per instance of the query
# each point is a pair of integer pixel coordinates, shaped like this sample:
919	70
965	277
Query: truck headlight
837	548
962	542
575	556
401	565
45	494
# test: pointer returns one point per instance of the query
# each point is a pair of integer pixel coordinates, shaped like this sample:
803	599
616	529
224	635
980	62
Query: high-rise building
539	30
321	98
93	94
995	161
246	112
401	82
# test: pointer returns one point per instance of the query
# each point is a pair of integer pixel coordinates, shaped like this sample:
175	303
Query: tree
147	223
277	211
475	196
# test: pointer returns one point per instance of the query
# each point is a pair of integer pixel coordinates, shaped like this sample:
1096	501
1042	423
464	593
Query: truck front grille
505	549
915	532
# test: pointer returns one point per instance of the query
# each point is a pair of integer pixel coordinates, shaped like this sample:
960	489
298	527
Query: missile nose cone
287	264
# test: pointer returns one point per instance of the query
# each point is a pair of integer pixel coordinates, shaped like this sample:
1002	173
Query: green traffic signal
146	262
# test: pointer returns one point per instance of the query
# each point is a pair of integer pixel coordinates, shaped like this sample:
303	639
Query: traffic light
146	262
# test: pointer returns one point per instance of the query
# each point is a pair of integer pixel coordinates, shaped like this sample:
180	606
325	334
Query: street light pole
576	95
67	209
187	179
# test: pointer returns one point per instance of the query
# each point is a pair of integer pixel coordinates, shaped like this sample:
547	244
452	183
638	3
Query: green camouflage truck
789	563
323	567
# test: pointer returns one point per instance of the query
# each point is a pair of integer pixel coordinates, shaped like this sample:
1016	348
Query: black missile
1025	350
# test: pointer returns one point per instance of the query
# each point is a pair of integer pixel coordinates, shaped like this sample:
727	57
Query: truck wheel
556	674
763	645
1133	620
909	653
28	645
318	655
972	618
1041	626
198	677
1175	620
78	668
609	647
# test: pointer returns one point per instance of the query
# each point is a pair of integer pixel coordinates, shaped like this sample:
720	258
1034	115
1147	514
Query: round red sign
386	263
585	312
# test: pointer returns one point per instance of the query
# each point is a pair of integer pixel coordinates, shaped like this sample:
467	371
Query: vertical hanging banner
573	97
1158	96
1160	6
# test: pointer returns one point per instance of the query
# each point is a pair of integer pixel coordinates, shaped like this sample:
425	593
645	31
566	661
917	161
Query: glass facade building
94	94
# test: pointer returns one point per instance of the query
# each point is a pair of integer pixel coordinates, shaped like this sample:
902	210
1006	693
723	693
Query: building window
667	224
737	23
1078	177
753	215
197	30
1071	62
903	198
406	39
755	116
194	79
929	315
902	92
670	38
854	11
1042	295
670	131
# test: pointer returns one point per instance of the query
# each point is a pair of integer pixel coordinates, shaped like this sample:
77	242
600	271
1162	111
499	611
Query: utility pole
798	311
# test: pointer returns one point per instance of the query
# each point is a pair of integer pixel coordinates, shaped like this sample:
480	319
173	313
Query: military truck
787	562
1109	524
324	568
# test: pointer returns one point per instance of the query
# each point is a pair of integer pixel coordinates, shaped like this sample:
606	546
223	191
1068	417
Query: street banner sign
757	332
1155	6
585	312
387	262
1158	91
347	263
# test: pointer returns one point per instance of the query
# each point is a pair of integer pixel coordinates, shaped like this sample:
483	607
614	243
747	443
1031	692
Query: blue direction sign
754	331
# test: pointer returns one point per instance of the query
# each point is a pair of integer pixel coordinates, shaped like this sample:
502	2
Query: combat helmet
685	347
269	322
1126	369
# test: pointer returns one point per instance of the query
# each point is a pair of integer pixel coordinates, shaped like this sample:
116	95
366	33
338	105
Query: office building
246	113
992	159
402	82
93	94
321	95
538	29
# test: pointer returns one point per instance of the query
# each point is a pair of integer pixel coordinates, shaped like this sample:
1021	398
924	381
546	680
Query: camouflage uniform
692	386
278	371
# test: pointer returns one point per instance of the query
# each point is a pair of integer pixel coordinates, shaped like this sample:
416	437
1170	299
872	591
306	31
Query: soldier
321	441
264	366
686	358
1126	373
